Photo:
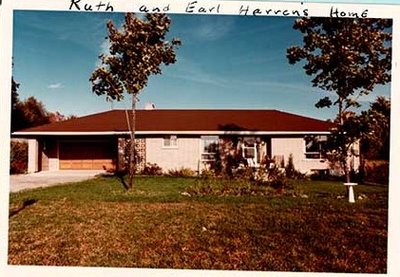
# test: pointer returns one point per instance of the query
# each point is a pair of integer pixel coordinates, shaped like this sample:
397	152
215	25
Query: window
170	141
209	147
251	150
315	146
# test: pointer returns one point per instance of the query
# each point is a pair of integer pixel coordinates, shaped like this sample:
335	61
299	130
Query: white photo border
211	7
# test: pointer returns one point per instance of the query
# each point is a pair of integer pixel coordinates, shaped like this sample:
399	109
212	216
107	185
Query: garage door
88	155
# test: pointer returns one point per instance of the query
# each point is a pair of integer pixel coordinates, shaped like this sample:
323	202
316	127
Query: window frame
173	142
319	155
203	139
252	144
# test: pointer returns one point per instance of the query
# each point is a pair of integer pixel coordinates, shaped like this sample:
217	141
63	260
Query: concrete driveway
50	178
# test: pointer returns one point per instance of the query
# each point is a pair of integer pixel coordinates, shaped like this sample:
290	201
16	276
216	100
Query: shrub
290	170
181	172
323	175
152	169
245	181
273	177
244	173
225	187
208	174
377	172
18	157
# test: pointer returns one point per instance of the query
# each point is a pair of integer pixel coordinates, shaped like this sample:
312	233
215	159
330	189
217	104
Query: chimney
149	106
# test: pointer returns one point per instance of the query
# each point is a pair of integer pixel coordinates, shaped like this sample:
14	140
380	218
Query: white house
178	138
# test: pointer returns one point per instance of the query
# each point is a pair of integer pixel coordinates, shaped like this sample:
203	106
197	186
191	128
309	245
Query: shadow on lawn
26	203
120	175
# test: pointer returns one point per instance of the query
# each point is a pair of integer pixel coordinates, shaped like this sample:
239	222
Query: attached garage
87	155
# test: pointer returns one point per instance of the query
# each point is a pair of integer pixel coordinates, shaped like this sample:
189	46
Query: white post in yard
351	191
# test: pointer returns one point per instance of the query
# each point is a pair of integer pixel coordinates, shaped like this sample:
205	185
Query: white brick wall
296	147
54	162
33	156
53	156
186	154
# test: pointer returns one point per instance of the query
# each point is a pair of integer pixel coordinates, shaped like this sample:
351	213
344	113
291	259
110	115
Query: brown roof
187	120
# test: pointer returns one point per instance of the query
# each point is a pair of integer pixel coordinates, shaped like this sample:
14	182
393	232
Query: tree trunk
346	171
341	122
361	169
340	112
132	159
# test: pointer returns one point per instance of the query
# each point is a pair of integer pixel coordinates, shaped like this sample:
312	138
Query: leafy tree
137	50
375	142
57	116
27	113
347	58
16	117
31	112
14	93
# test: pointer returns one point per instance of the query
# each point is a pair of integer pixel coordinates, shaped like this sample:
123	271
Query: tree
375	142
27	113
57	116
32	113
136	51
14	93
16	118
347	58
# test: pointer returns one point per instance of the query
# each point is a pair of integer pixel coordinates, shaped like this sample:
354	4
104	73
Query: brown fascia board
184	121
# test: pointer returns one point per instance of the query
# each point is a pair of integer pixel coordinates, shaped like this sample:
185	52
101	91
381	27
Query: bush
376	172
18	157
244	174
273	177
225	187
291	172
208	174
324	175
181	172
152	169
245	181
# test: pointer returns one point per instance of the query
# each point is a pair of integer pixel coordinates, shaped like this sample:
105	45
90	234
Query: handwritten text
335	12
77	5
193	7
246	10
215	7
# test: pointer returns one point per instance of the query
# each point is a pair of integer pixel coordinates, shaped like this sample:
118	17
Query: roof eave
116	133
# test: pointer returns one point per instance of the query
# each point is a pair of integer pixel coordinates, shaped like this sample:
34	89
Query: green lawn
97	223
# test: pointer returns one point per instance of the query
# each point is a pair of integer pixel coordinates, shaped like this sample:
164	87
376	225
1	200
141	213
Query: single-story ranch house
173	139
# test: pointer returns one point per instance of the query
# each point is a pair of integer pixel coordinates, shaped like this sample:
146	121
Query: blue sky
226	62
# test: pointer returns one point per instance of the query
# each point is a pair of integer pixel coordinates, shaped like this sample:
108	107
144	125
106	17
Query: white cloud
190	70
209	28
105	47
55	86
104	50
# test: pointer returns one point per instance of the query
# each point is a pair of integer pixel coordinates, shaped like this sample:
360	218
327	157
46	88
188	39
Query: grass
98	223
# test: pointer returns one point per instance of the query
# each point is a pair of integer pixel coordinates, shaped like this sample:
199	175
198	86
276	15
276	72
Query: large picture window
209	147
314	146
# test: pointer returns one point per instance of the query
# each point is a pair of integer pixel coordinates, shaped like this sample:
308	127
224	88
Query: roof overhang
116	133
